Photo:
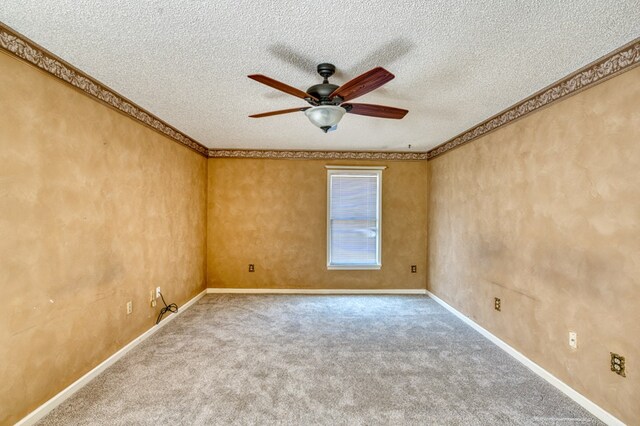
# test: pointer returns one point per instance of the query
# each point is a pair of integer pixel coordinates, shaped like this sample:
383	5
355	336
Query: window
354	197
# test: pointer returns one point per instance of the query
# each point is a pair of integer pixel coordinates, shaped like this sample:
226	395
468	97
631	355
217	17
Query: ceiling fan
329	102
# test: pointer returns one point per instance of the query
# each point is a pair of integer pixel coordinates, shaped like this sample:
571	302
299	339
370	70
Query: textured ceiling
456	63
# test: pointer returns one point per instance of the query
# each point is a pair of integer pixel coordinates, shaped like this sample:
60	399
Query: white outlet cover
157	292
573	339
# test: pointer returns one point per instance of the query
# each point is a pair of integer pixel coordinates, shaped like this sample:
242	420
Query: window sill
353	267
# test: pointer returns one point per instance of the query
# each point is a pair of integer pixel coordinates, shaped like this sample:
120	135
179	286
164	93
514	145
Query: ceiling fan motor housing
323	90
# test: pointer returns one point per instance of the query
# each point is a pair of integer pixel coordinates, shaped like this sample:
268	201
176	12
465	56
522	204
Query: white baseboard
45	408
560	385
312	291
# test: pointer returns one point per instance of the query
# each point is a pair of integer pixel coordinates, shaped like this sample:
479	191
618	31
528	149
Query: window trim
355	170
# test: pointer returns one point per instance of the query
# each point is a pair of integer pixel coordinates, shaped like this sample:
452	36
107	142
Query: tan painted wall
95	210
545	214
273	213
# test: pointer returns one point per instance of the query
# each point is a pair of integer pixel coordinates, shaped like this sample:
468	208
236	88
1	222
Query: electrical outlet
129	307
497	304
617	364
157	292
252	268
414	269
573	339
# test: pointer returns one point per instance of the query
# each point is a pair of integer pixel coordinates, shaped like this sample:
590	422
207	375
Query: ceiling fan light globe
325	115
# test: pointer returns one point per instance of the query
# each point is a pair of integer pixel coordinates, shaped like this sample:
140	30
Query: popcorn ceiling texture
456	64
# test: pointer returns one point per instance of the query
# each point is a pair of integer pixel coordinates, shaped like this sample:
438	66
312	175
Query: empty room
320	213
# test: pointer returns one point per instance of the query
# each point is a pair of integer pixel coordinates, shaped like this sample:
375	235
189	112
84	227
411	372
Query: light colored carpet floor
304	360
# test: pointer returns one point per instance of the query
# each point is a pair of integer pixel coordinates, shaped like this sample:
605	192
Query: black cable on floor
167	308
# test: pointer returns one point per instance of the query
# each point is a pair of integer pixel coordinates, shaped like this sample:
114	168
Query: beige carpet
302	360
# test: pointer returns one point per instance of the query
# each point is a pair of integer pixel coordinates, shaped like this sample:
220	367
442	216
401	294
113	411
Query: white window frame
355	170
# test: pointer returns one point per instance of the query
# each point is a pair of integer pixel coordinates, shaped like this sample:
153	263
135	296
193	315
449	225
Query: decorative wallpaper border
316	155
30	52
610	65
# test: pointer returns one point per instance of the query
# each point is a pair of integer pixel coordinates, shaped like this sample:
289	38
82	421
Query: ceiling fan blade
282	111
362	84
380	111
280	86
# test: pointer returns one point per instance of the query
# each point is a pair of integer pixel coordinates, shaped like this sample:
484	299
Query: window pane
353	219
